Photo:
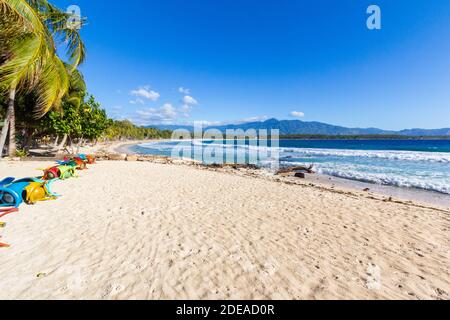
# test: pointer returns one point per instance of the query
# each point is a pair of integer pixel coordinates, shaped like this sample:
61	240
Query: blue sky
243	60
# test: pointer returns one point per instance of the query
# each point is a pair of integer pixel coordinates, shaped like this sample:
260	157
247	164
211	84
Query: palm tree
74	97
29	59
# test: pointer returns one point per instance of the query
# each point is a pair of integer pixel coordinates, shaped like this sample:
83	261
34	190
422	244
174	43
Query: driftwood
154	159
235	166
117	156
297	169
300	175
132	158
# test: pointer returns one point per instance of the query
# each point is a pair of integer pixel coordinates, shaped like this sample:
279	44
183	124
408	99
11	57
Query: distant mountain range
288	127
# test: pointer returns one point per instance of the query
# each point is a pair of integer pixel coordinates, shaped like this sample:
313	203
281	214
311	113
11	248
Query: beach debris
132	158
300	175
366	189
294	170
235	166
186	161
100	155
2	224
117	156
238	166
41	275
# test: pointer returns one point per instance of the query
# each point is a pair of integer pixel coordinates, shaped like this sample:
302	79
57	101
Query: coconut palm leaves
63	29
32	62
77	88
25	14
28	58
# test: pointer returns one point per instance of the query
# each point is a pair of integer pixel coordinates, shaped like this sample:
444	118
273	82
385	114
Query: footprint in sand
373	281
112	290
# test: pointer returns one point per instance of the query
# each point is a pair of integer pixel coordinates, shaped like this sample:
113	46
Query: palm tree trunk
55	144
12	123
80	143
4	134
63	142
9	126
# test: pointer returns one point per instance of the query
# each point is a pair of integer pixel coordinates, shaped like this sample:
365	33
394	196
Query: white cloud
137	101
167	114
253	119
207	123
184	90
146	92
297	114
186	108
190	101
169	110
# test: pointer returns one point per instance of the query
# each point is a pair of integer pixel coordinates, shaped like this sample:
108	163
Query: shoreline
420	196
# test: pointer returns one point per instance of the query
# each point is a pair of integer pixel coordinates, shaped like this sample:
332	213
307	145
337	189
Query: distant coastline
307	128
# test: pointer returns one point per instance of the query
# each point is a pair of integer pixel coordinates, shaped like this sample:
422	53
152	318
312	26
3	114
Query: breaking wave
410	169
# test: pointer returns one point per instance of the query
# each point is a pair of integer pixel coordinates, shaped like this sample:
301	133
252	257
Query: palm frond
77	84
26	56
74	101
59	24
31	61
23	11
75	48
53	85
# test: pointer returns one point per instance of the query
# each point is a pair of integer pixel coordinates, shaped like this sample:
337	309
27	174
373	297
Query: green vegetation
29	31
42	97
77	121
120	130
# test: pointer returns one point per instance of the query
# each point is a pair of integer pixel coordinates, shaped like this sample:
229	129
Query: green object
66	172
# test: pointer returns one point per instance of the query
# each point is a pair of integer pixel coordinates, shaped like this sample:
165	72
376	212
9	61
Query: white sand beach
138	230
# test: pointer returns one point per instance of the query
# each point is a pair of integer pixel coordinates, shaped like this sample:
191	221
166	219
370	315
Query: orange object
4	245
6	211
90	159
81	165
